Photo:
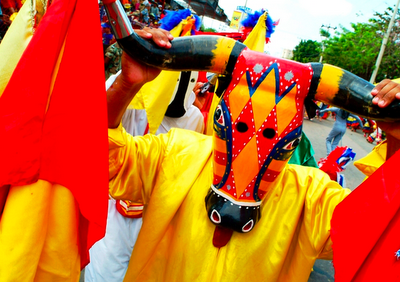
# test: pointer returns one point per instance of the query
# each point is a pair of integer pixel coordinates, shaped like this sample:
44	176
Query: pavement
317	131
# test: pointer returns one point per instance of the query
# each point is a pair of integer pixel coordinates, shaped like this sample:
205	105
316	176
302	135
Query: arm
200	99
331	109
360	122
106	61
385	93
133	76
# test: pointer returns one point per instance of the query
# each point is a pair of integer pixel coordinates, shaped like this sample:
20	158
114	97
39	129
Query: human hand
197	87
134	72
385	92
133	76
200	97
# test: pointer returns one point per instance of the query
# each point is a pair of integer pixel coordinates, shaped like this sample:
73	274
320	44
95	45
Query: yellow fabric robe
38	235
373	160
174	171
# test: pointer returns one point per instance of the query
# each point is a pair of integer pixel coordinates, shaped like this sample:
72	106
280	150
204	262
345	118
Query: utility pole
383	46
328	27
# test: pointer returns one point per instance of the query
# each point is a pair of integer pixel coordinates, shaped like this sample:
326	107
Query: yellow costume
371	162
175	243
46	228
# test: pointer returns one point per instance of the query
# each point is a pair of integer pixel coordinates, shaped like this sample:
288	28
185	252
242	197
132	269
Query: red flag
58	132
366	227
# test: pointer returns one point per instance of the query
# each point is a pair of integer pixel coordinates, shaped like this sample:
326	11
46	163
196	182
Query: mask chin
240	217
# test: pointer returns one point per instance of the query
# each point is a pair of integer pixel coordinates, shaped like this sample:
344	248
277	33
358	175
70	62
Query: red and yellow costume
174	172
53	205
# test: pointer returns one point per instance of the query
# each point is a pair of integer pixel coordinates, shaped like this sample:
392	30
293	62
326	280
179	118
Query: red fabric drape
66	144
366	227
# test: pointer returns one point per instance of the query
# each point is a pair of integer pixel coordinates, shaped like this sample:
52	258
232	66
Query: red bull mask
257	126
258	122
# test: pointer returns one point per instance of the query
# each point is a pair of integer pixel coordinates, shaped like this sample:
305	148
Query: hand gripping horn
199	53
217	54
340	88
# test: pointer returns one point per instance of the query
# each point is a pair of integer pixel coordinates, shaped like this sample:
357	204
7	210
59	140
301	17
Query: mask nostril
248	226
215	217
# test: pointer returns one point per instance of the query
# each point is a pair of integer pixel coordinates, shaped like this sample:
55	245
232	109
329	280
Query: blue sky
302	19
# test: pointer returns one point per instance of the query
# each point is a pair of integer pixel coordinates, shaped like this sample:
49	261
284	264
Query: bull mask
258	122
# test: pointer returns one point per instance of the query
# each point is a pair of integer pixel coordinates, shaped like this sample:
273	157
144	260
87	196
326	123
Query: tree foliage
357	50
208	29
307	51
390	65
324	33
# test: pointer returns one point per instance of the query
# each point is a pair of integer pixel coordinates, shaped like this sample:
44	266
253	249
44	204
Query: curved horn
215	54
340	88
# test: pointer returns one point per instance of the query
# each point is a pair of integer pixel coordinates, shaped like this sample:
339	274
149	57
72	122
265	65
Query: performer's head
258	121
257	126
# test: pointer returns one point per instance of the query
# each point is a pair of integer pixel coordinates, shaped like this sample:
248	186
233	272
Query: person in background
339	127
137	5
376	136
111	255
204	90
369	127
102	12
4	25
108	37
11	6
353	123
155	11
112	60
145	14
321	106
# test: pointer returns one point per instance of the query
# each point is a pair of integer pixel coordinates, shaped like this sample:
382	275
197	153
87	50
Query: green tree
390	65
354	51
324	33
207	29
307	51
357	50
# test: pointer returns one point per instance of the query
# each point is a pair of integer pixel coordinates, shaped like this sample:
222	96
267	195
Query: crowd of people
8	11
142	13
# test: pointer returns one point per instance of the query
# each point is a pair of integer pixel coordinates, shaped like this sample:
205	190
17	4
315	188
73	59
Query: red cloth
57	144
366	227
16	4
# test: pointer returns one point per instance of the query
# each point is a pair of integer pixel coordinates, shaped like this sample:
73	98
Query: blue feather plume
251	20
173	18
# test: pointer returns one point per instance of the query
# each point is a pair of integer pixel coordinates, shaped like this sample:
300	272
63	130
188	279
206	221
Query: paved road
317	132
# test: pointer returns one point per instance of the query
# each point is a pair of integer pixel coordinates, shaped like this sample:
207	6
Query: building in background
287	54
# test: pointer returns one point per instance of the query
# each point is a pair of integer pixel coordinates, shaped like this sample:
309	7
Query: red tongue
222	236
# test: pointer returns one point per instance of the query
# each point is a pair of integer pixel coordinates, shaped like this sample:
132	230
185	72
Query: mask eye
241	127
292	145
269	133
219	117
